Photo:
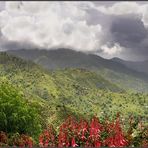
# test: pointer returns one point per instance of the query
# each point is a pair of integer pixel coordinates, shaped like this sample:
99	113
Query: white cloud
125	8
4	18
50	24
122	8
144	10
114	50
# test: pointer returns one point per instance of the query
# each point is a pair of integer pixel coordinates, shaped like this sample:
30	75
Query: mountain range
128	75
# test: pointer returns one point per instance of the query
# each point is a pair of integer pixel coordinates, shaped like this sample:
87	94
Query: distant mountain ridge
114	71
66	58
141	66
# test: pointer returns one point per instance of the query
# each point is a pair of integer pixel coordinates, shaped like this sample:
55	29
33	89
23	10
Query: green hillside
75	91
125	81
48	84
112	70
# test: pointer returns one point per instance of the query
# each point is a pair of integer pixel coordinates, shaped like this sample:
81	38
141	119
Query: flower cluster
83	133
116	136
47	138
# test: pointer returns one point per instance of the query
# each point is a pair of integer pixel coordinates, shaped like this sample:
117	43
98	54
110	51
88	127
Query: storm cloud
109	29
130	32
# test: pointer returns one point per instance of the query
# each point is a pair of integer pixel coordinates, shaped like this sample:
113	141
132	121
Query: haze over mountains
64	58
114	70
141	66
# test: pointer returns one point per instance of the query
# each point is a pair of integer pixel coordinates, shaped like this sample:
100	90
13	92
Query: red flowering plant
73	133
3	138
47	138
83	132
21	140
90	135
68	132
116	137
15	140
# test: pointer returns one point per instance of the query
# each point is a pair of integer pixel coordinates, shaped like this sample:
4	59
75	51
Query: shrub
15	114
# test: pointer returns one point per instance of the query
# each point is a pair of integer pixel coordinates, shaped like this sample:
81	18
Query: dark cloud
2	5
126	29
11	45
130	32
94	17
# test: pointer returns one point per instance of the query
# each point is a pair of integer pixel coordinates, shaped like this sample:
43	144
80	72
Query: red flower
73	143
95	128
41	141
97	144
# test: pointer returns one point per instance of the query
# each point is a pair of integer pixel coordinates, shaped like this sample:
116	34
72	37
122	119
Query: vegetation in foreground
32	98
22	125
73	133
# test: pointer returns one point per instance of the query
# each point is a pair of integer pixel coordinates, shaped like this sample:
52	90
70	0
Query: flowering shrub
116	136
92	134
47	138
73	133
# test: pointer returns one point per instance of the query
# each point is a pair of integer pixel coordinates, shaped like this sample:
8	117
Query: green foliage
125	81
113	70
15	113
56	94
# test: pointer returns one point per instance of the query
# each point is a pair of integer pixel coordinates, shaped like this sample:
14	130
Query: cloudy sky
109	29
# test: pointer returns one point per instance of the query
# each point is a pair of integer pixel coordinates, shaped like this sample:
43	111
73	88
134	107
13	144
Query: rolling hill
112	70
50	88
71	91
75	91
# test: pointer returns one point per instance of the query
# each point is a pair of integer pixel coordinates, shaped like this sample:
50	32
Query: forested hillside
74	90
112	70
49	97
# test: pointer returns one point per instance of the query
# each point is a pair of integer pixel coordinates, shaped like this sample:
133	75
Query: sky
109	29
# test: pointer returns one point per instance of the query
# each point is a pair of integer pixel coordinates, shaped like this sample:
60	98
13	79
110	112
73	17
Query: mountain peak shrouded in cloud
108	29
